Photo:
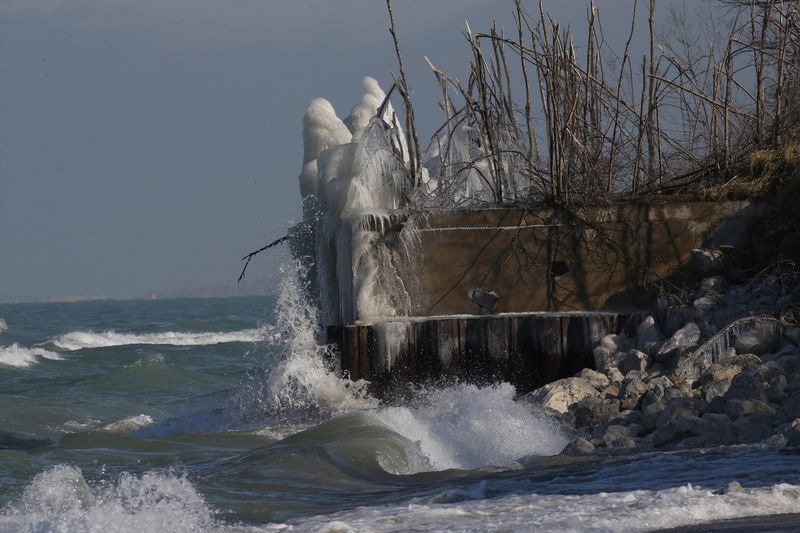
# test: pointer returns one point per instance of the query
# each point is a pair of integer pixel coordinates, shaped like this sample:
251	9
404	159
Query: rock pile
697	385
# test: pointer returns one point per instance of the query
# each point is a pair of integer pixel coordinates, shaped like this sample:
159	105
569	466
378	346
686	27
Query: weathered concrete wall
415	264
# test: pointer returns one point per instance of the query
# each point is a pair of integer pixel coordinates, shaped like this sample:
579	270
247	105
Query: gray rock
681	341
705	304
615	375
560	395
609	353
714	284
753	428
747	386
777	389
739	408
616	436
483	298
755	342
631	391
793	334
677	426
715	389
633	360
596	379
745	361
707	262
592	410
579	446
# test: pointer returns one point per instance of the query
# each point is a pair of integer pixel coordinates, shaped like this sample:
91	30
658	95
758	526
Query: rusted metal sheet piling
527	350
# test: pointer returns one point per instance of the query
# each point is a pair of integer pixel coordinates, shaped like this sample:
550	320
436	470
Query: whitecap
3	326
78	340
22	356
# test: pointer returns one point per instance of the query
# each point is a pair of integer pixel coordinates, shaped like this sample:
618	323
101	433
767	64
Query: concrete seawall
398	286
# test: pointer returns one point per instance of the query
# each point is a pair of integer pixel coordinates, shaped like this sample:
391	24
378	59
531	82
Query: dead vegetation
541	119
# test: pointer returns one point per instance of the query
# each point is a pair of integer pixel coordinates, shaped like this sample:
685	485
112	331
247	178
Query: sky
147	145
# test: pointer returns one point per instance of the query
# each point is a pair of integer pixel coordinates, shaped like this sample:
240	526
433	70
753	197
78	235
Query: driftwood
252	254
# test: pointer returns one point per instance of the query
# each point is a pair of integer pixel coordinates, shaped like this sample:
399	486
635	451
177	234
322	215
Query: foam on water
22	356
618	511
3	326
467	427
78	340
60	499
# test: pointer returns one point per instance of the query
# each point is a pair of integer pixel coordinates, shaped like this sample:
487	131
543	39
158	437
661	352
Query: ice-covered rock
755	342
648	336
681	341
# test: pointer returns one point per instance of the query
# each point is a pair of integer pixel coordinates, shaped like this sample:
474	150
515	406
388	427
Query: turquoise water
217	414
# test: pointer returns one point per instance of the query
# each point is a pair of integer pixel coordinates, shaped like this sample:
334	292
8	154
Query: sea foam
78	340
605	511
3	326
22	356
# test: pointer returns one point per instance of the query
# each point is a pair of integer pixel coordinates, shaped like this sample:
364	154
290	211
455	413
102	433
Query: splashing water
3	326
60	499
300	382
466	427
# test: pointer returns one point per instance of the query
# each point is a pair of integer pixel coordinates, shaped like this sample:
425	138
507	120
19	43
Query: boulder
592	410
793	335
680	342
756	342
615	375
739	408
609	353
713	284
618	436
631	391
677	426
747	386
560	395
596	379
633	360
578	446
706	263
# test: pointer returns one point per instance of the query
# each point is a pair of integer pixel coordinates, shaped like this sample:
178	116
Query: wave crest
78	340
22	356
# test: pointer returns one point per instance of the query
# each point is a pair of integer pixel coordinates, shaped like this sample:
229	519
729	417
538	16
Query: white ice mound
22	356
468	427
78	340
322	130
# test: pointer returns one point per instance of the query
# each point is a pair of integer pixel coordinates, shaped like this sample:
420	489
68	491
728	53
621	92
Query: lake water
225	414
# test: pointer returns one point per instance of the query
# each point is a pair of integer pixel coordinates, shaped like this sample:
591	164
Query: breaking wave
22	356
60	499
78	340
3	326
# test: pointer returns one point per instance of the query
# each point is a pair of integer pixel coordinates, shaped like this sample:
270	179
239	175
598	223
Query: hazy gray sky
147	145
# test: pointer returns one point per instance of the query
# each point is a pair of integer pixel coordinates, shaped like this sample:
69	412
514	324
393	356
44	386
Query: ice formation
354	168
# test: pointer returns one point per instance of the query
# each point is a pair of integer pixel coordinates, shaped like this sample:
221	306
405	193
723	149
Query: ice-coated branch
252	254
